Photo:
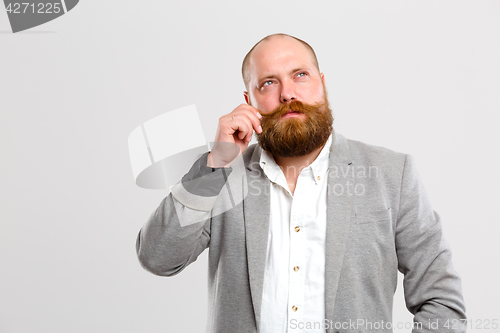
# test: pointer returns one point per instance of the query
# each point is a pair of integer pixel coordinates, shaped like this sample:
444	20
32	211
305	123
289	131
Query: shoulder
364	153
388	164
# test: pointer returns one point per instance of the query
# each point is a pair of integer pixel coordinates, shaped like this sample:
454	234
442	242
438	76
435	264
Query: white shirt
294	277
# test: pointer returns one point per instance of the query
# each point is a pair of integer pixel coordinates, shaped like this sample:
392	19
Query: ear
247	98
323	78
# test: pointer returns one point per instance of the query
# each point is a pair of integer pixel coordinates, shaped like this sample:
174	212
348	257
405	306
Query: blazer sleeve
178	231
432	288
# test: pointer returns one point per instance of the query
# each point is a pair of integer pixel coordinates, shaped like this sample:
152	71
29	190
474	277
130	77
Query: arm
431	286
179	230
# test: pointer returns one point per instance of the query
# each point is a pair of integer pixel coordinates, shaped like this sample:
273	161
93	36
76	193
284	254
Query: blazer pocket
374	216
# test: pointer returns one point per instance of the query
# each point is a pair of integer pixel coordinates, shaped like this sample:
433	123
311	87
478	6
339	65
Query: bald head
246	66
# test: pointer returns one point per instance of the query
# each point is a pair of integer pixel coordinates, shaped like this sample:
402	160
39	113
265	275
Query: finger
253	116
235	123
243	125
251	109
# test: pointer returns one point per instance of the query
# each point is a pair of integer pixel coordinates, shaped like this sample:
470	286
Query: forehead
279	53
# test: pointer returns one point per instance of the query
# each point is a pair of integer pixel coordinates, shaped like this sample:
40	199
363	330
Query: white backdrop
420	77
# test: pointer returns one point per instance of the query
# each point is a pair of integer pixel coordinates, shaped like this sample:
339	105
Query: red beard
295	136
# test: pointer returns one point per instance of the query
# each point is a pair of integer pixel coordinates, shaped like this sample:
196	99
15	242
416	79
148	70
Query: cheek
318	94
267	103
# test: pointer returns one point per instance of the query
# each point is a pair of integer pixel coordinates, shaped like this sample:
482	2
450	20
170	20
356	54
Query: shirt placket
296	259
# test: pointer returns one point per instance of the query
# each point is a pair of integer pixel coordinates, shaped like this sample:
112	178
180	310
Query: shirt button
294	308
319	177
297	229
296	268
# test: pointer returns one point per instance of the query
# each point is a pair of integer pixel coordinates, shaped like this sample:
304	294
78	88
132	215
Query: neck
292	166
297	162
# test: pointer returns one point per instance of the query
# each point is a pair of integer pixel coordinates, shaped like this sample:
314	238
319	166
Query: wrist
223	154
217	162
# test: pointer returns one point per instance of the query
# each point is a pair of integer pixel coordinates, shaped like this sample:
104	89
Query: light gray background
420	77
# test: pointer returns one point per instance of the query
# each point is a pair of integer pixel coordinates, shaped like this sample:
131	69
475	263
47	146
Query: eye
266	83
301	74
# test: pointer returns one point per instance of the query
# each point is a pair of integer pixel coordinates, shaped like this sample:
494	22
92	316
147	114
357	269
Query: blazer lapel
256	208
339	205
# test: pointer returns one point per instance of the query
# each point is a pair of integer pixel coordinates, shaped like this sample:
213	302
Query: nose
287	93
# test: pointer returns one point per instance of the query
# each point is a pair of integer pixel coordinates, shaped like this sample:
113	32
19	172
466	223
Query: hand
234	132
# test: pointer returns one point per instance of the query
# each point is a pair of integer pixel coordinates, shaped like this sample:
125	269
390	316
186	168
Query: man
322	224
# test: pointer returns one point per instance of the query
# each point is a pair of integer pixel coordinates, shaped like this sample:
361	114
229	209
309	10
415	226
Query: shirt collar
271	169
318	167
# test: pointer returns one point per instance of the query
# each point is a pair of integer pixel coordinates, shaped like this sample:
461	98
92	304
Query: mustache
295	106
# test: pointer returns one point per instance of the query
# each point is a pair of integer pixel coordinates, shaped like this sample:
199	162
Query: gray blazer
379	221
